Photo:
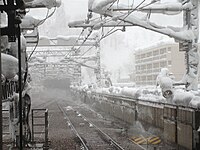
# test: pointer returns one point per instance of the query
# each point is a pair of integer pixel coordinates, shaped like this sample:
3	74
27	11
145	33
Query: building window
149	78
143	67
163	51
169	49
143	78
169	62
163	64
143	55
155	65
149	66
149	54
156	52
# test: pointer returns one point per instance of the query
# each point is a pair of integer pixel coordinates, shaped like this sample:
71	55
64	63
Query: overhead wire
89	32
40	23
111	31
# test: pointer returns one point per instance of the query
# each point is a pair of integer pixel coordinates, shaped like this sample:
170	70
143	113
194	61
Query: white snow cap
14	46
9	66
48	3
164	80
95	5
44	40
28	21
74	23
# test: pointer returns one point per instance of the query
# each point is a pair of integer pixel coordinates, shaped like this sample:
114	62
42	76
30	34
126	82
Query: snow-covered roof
157	44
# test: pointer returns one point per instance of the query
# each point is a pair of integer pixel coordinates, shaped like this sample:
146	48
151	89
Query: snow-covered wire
40	23
33	50
46	17
138	6
108	33
84	40
75	42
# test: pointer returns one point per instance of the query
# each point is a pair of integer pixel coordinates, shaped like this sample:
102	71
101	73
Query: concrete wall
179	124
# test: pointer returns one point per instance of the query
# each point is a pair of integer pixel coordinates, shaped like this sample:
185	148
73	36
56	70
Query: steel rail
111	140
73	128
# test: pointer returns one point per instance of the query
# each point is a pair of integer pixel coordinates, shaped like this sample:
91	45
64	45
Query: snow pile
151	94
75	23
195	102
96	5
63	40
48	3
3	18
29	21
44	40
182	97
9	66
34	59
166	7
178	33
164	80
14	46
131	92
4	43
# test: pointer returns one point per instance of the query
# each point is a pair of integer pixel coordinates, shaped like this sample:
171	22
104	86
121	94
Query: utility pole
98	70
190	19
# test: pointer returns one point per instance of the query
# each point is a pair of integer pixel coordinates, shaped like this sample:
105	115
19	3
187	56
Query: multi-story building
149	61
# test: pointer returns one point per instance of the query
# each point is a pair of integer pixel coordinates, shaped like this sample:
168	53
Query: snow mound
44	40
14	46
131	92
9	66
48	3
95	5
74	23
29	21
182	97
195	102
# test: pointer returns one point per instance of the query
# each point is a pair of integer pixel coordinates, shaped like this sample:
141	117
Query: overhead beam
91	25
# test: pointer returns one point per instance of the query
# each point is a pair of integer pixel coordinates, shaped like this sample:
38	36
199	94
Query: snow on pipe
101	7
29	22
43	3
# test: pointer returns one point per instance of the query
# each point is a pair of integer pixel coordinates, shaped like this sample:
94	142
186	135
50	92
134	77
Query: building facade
149	61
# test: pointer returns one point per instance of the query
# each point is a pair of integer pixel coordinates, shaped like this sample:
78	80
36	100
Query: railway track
100	141
108	133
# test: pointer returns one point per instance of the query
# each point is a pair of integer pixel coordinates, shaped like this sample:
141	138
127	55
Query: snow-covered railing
181	98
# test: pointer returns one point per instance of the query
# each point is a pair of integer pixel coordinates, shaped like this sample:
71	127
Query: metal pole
1	138
192	58
20	89
46	146
98	71
32	126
